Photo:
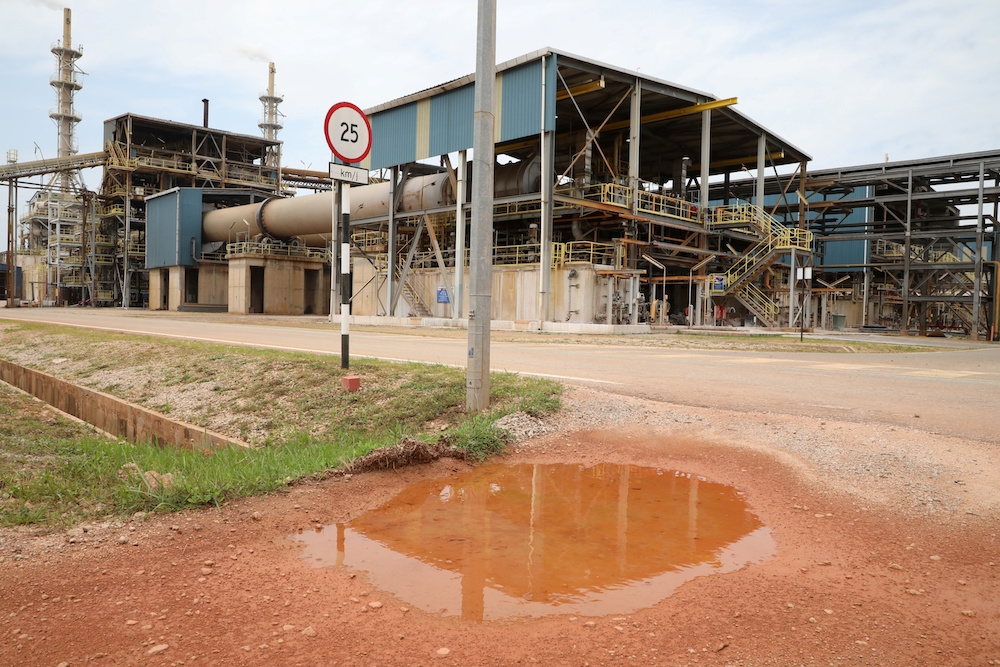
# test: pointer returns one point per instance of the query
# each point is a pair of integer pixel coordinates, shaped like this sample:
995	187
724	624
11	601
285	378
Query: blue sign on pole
442	295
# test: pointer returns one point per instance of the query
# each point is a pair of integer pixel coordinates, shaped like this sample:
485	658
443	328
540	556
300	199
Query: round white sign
348	132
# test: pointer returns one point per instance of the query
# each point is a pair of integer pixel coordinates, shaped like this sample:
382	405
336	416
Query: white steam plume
252	52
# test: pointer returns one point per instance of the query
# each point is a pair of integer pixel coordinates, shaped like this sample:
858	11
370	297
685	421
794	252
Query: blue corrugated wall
394	136
450	118
521	110
172	220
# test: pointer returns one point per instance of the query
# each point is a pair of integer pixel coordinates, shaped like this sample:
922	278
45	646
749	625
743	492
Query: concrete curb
111	414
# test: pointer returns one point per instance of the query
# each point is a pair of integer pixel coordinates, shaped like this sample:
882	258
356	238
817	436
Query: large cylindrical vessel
311	217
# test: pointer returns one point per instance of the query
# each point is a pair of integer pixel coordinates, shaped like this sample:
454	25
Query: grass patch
56	472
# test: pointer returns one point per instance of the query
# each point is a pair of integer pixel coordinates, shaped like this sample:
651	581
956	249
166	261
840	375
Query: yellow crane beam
674	113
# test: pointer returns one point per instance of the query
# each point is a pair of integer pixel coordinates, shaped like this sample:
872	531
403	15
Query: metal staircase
774	241
411	294
758	303
409	291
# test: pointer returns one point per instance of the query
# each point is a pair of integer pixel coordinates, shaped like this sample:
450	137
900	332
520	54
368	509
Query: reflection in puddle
532	540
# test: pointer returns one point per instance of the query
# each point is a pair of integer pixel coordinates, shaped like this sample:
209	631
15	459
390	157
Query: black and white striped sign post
349	135
345	273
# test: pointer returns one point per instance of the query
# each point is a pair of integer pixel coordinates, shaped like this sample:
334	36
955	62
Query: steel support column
805	308
977	283
11	245
127	278
706	160
548	140
459	295
791	291
635	125
391	283
761	170
868	269
547	144
904	328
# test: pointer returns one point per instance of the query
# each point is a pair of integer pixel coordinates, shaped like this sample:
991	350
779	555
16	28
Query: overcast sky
847	82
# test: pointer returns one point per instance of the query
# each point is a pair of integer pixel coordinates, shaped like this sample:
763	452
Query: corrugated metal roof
518	108
526	58
174	125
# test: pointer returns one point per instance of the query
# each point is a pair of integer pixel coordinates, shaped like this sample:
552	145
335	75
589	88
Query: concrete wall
368	299
155	289
316	294
34	278
578	294
239	283
109	413
284	286
175	290
213	284
515	293
174	287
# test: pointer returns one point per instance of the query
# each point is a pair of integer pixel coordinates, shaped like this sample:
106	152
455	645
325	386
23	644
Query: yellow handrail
760	302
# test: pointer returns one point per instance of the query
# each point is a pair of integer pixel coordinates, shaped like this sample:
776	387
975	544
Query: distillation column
66	84
270	124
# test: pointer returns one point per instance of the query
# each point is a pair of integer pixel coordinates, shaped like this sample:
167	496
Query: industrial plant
623	203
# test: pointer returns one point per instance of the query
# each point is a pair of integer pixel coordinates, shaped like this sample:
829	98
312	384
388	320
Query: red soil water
538	539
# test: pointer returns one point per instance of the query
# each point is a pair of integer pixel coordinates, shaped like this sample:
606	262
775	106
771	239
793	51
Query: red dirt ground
221	587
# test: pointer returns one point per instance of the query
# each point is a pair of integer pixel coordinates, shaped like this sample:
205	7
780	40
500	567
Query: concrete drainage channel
111	414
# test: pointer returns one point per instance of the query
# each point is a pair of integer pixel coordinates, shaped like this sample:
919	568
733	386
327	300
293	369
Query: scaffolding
922	236
149	155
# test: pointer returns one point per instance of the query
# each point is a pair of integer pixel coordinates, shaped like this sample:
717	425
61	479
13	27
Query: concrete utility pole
477	383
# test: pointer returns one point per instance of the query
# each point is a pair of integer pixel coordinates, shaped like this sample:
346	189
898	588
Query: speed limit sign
348	132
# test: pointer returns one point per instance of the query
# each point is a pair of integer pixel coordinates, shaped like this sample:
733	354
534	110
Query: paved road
954	391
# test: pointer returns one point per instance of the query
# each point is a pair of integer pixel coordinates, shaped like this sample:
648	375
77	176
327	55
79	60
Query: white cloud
847	82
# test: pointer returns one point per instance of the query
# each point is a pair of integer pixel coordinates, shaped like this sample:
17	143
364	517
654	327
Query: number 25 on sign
348	132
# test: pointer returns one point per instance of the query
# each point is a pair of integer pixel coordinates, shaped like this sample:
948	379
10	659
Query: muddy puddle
530	540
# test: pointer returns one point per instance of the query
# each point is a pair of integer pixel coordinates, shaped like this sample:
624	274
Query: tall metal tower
66	83
270	125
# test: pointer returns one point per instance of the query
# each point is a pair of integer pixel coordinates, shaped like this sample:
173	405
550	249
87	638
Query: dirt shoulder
887	554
